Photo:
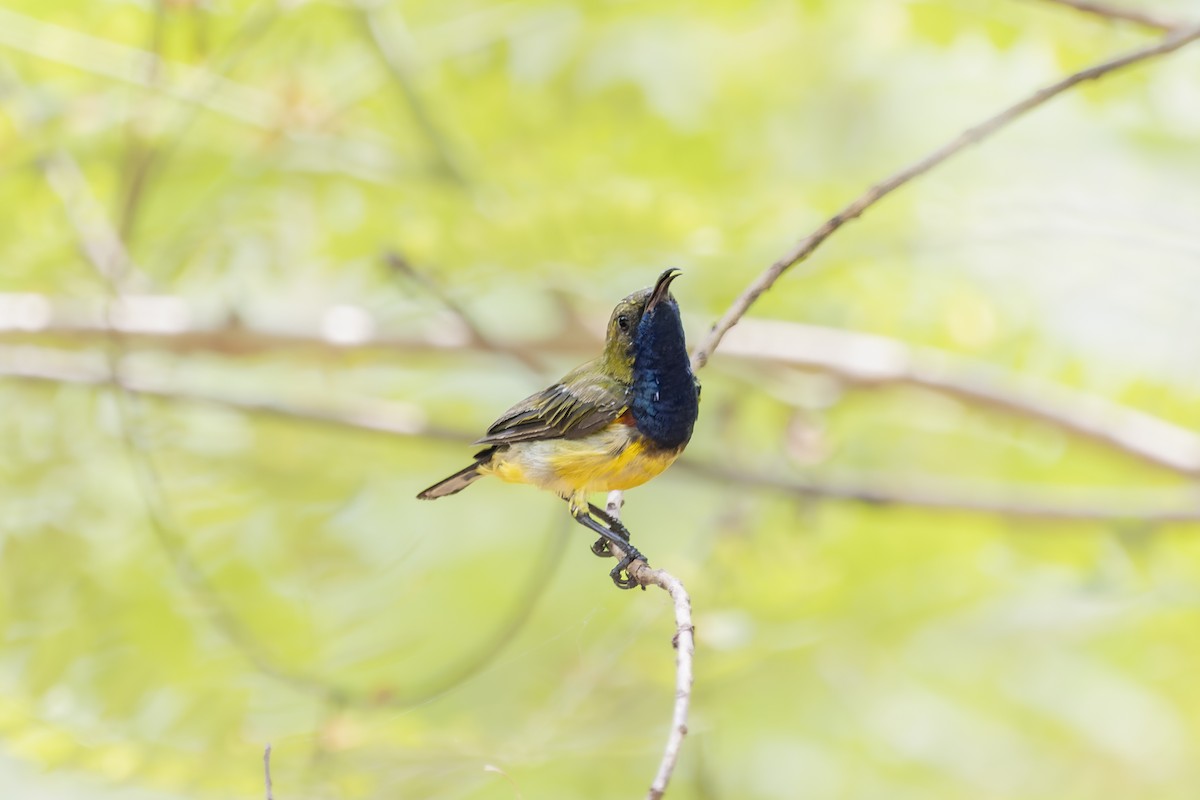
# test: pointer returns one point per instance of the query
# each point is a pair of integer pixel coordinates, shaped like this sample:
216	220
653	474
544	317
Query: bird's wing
581	403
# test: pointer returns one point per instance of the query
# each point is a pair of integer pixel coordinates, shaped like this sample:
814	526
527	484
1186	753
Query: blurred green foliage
539	160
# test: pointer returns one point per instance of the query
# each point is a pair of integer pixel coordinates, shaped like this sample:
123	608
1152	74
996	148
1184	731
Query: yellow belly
614	458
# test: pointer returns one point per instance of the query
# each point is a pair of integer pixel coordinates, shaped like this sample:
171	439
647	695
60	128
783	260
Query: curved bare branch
977	133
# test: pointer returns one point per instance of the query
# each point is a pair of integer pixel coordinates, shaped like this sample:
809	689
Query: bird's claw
627	581
600	548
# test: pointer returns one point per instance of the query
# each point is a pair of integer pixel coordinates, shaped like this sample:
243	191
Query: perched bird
612	423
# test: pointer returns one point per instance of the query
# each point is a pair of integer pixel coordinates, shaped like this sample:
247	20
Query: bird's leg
600	546
631	553
582	515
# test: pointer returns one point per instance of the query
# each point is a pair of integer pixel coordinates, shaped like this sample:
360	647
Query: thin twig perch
684	642
267	772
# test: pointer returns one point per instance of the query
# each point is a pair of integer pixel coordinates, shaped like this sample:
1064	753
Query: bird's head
639	318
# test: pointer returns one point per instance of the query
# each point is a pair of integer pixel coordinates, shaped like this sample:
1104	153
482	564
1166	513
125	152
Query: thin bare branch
56	367
402	266
684	642
161	322
267	772
98	240
1169	44
1118	14
516	787
1058	504
141	156
394	45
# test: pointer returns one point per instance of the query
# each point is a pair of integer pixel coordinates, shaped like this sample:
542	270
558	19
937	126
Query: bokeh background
268	267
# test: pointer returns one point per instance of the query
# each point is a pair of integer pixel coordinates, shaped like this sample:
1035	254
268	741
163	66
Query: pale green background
844	651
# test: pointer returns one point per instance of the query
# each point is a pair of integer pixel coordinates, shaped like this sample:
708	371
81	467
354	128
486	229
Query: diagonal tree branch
977	133
402	266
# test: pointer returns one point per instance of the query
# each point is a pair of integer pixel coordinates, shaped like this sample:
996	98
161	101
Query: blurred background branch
398	419
401	266
106	252
859	359
394	45
1121	14
267	773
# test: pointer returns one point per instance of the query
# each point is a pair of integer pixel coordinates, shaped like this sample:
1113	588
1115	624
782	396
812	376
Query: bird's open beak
661	287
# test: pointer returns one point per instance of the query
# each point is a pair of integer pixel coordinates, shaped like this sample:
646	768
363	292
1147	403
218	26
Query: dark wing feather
581	403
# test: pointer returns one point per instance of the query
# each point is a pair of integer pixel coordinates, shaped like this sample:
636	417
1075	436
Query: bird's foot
600	548
620	575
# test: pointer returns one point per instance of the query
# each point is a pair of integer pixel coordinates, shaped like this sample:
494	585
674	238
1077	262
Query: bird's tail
456	482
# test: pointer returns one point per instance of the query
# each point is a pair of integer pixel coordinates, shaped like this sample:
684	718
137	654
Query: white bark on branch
870	360
857	358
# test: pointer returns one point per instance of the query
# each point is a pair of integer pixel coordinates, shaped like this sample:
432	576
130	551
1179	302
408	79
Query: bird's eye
623	322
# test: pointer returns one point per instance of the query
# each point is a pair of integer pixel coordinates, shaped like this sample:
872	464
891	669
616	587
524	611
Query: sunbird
612	423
